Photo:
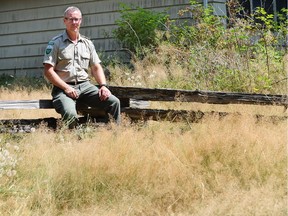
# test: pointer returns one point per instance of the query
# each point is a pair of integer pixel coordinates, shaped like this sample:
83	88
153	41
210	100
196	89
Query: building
26	26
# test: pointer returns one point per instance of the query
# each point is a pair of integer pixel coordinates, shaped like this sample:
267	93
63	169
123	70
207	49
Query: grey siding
27	25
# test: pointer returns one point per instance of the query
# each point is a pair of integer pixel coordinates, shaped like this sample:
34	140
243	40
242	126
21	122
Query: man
68	57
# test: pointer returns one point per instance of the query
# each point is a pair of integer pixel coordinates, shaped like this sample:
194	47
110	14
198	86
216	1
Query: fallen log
211	97
135	104
135	114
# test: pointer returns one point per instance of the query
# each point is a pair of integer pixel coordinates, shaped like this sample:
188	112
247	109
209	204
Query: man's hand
53	77
104	93
71	92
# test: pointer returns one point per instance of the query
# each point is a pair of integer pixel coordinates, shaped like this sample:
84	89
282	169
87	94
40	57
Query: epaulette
57	36
84	36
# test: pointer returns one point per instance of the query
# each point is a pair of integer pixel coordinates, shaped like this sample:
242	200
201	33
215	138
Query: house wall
27	25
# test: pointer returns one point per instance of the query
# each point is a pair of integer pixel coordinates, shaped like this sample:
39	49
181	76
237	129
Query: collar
65	37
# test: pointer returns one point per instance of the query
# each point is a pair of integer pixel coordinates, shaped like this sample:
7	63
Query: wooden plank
191	116
168	115
135	114
148	94
25	125
211	97
46	104
29	125
26	104
43	104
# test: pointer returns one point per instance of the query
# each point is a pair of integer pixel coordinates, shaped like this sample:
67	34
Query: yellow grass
24	95
233	166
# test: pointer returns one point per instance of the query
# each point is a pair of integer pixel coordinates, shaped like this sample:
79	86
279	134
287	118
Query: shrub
138	29
204	28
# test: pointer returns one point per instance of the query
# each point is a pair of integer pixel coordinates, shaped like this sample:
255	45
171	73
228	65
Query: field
232	166
235	165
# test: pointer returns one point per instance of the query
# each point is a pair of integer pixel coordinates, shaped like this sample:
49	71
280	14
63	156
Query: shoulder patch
49	48
51	43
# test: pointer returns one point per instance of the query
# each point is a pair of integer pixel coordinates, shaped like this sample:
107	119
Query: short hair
71	9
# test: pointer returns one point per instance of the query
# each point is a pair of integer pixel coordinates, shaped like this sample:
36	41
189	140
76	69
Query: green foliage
283	21
236	53
205	29
138	29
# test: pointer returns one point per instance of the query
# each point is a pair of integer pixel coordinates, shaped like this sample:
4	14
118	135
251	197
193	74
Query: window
271	6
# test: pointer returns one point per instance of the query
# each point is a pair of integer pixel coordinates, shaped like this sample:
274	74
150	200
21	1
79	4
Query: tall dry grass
23	94
233	166
203	68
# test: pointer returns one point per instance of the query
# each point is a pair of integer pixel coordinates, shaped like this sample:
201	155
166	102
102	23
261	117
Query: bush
138	29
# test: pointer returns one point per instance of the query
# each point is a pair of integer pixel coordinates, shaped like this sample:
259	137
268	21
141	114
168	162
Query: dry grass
232	166
228	167
268	110
25	95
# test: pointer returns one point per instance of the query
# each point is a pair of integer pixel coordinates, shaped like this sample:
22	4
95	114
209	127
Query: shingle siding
27	25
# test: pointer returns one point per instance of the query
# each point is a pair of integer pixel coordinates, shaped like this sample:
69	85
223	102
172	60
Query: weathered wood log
135	114
30	125
154	94
126	94
190	116
26	104
25	125
42	104
169	115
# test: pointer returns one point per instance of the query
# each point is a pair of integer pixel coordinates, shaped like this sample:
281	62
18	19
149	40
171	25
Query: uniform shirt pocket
84	60
66	55
65	59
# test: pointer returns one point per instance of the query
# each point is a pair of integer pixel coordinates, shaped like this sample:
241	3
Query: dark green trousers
89	95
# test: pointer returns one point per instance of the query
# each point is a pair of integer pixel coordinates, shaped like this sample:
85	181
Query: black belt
75	83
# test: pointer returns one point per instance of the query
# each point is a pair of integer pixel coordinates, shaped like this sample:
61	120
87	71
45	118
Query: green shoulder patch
48	49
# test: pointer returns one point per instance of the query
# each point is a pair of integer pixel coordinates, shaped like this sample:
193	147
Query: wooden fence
134	104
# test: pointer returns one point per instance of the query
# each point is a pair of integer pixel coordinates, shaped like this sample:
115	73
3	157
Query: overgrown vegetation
214	168
237	53
234	165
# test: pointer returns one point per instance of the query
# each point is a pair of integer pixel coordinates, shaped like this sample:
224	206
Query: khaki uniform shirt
71	61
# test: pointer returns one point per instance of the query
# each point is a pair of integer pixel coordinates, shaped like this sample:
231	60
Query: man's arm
53	77
98	74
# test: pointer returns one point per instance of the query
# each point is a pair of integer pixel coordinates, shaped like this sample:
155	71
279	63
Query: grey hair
71	9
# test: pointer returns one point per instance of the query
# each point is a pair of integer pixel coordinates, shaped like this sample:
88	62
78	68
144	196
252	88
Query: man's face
73	21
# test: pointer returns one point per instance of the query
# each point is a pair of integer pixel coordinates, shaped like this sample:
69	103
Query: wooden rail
128	95
210	97
150	94
25	104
